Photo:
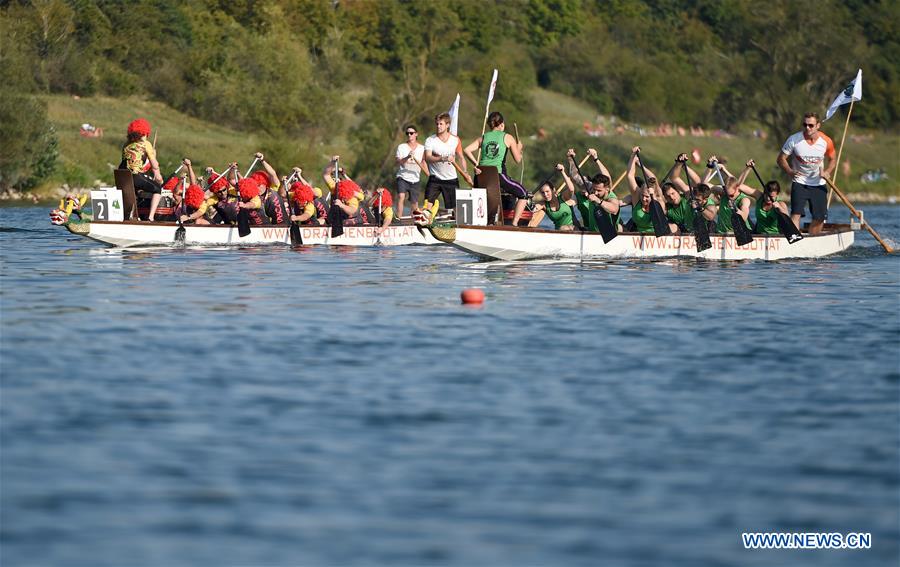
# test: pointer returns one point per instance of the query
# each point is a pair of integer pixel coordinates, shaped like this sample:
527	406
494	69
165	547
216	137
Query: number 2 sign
106	205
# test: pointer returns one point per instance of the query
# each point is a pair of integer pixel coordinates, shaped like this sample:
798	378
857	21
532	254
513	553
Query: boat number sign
106	205
471	207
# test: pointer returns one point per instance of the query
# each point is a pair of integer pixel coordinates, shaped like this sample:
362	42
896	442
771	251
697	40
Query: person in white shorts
409	167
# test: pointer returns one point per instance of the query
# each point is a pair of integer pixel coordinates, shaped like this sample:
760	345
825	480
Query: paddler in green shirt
643	192
768	204
699	200
678	205
557	210
594	195
730	200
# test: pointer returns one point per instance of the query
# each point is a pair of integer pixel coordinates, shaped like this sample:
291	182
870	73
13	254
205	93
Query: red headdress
301	193
248	188
347	189
261	177
194	196
386	199
219	185
171	184
139	126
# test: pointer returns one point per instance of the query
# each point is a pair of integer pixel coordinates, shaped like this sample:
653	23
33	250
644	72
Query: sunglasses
411	133
810	125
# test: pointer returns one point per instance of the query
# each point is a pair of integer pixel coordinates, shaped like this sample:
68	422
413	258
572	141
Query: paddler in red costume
194	206
304	207
272	209
221	207
139	157
381	205
249	193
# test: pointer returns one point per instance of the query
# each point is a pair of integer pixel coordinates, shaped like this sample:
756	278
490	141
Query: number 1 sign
471	207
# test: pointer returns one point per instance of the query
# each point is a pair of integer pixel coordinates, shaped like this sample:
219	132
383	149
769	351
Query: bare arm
782	162
187	164
744	209
632	182
515	147
270	171
603	169
470	149
579	180
460	159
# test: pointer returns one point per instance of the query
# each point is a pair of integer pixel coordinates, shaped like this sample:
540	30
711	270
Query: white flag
852	92
491	92
454	116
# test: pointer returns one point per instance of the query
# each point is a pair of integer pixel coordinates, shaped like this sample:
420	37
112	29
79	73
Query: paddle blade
742	234
701	232
788	229
659	220
180	233
243	223
604	225
296	237
336	216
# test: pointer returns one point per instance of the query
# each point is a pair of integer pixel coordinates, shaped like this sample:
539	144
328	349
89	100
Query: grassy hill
85	160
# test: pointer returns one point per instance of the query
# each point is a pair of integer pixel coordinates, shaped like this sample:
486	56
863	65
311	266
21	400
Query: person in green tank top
557	210
697	194
594	195
643	192
494	146
731	199
768	205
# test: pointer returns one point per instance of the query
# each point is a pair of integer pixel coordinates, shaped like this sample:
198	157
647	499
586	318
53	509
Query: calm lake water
327	406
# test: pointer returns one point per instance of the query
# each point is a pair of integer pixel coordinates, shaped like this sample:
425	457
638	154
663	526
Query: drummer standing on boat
812	162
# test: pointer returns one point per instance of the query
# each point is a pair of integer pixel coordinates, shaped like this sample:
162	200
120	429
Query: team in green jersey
683	202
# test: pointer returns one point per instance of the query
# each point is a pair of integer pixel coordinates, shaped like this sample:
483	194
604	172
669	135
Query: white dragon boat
512	243
130	234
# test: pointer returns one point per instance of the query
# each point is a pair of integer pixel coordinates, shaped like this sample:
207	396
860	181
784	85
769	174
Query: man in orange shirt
812	162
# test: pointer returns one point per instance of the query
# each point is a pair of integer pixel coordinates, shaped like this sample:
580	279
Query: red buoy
472	296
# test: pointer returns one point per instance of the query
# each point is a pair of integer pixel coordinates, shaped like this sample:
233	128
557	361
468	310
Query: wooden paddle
604	223
657	215
559	189
785	224
742	234
465	175
859	215
701	228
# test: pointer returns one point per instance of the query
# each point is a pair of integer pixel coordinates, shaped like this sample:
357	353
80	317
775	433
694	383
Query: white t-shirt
438	169
808	158
410	170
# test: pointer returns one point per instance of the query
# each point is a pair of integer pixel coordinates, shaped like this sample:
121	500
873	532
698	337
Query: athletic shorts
411	189
446	188
816	195
142	182
511	187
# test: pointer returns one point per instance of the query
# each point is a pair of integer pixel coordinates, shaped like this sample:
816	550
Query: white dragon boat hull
129	234
511	243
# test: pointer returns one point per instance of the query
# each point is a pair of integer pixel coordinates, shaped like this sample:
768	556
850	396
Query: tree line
287	68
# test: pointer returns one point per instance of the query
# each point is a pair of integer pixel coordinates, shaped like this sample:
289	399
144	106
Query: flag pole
840	149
